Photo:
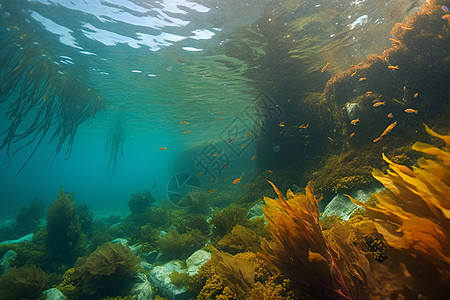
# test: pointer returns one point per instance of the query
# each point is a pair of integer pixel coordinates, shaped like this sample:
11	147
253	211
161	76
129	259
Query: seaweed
139	202
26	282
414	217
63	227
181	246
104	271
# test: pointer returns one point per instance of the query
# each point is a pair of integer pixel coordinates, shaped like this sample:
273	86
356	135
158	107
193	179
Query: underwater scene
224	149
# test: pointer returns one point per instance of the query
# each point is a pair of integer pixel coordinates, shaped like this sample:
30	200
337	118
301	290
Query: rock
142	289
341	205
27	238
159	276
196	260
5	261
120	241
135	248
256	211
150	257
53	294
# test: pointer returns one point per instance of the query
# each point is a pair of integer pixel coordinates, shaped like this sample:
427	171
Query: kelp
414	218
239	275
42	100
114	144
331	268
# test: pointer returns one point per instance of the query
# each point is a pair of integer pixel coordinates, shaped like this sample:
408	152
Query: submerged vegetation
395	246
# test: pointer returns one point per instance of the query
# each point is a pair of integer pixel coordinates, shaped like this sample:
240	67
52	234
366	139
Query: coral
140	201
181	246
63	227
240	239
179	279
198	281
104	271
223	221
26	282
414	218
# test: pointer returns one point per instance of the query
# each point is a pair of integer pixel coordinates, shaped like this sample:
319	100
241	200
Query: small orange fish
331	139
243	146
362	79
386	131
253	157
446	17
186	131
225	165
369	93
237	114
395	41
379	104
199	173
353	122
184	122
411	111
270	171
325	67
209	192
219	118
352	134
393	67
221	113
237	180
390	115
282	124
212	181
215	154
353	74
162	148
244	186
416	95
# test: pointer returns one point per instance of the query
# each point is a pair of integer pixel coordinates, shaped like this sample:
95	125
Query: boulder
53	294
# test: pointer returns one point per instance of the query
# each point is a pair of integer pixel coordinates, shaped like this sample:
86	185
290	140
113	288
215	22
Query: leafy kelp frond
331	268
298	247
239	275
414	218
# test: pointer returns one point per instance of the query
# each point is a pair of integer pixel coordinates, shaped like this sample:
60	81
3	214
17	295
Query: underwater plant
140	201
181	246
240	239
26	282
63	227
114	143
29	217
104	271
224	220
86	218
414	218
35	87
333	267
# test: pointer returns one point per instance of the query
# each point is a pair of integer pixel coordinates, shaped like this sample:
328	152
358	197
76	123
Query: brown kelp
42	100
414	218
331	267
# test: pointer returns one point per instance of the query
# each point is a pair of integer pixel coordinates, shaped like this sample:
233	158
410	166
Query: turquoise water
161	63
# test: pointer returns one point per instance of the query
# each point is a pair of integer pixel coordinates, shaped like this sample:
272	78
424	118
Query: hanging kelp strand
38	99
